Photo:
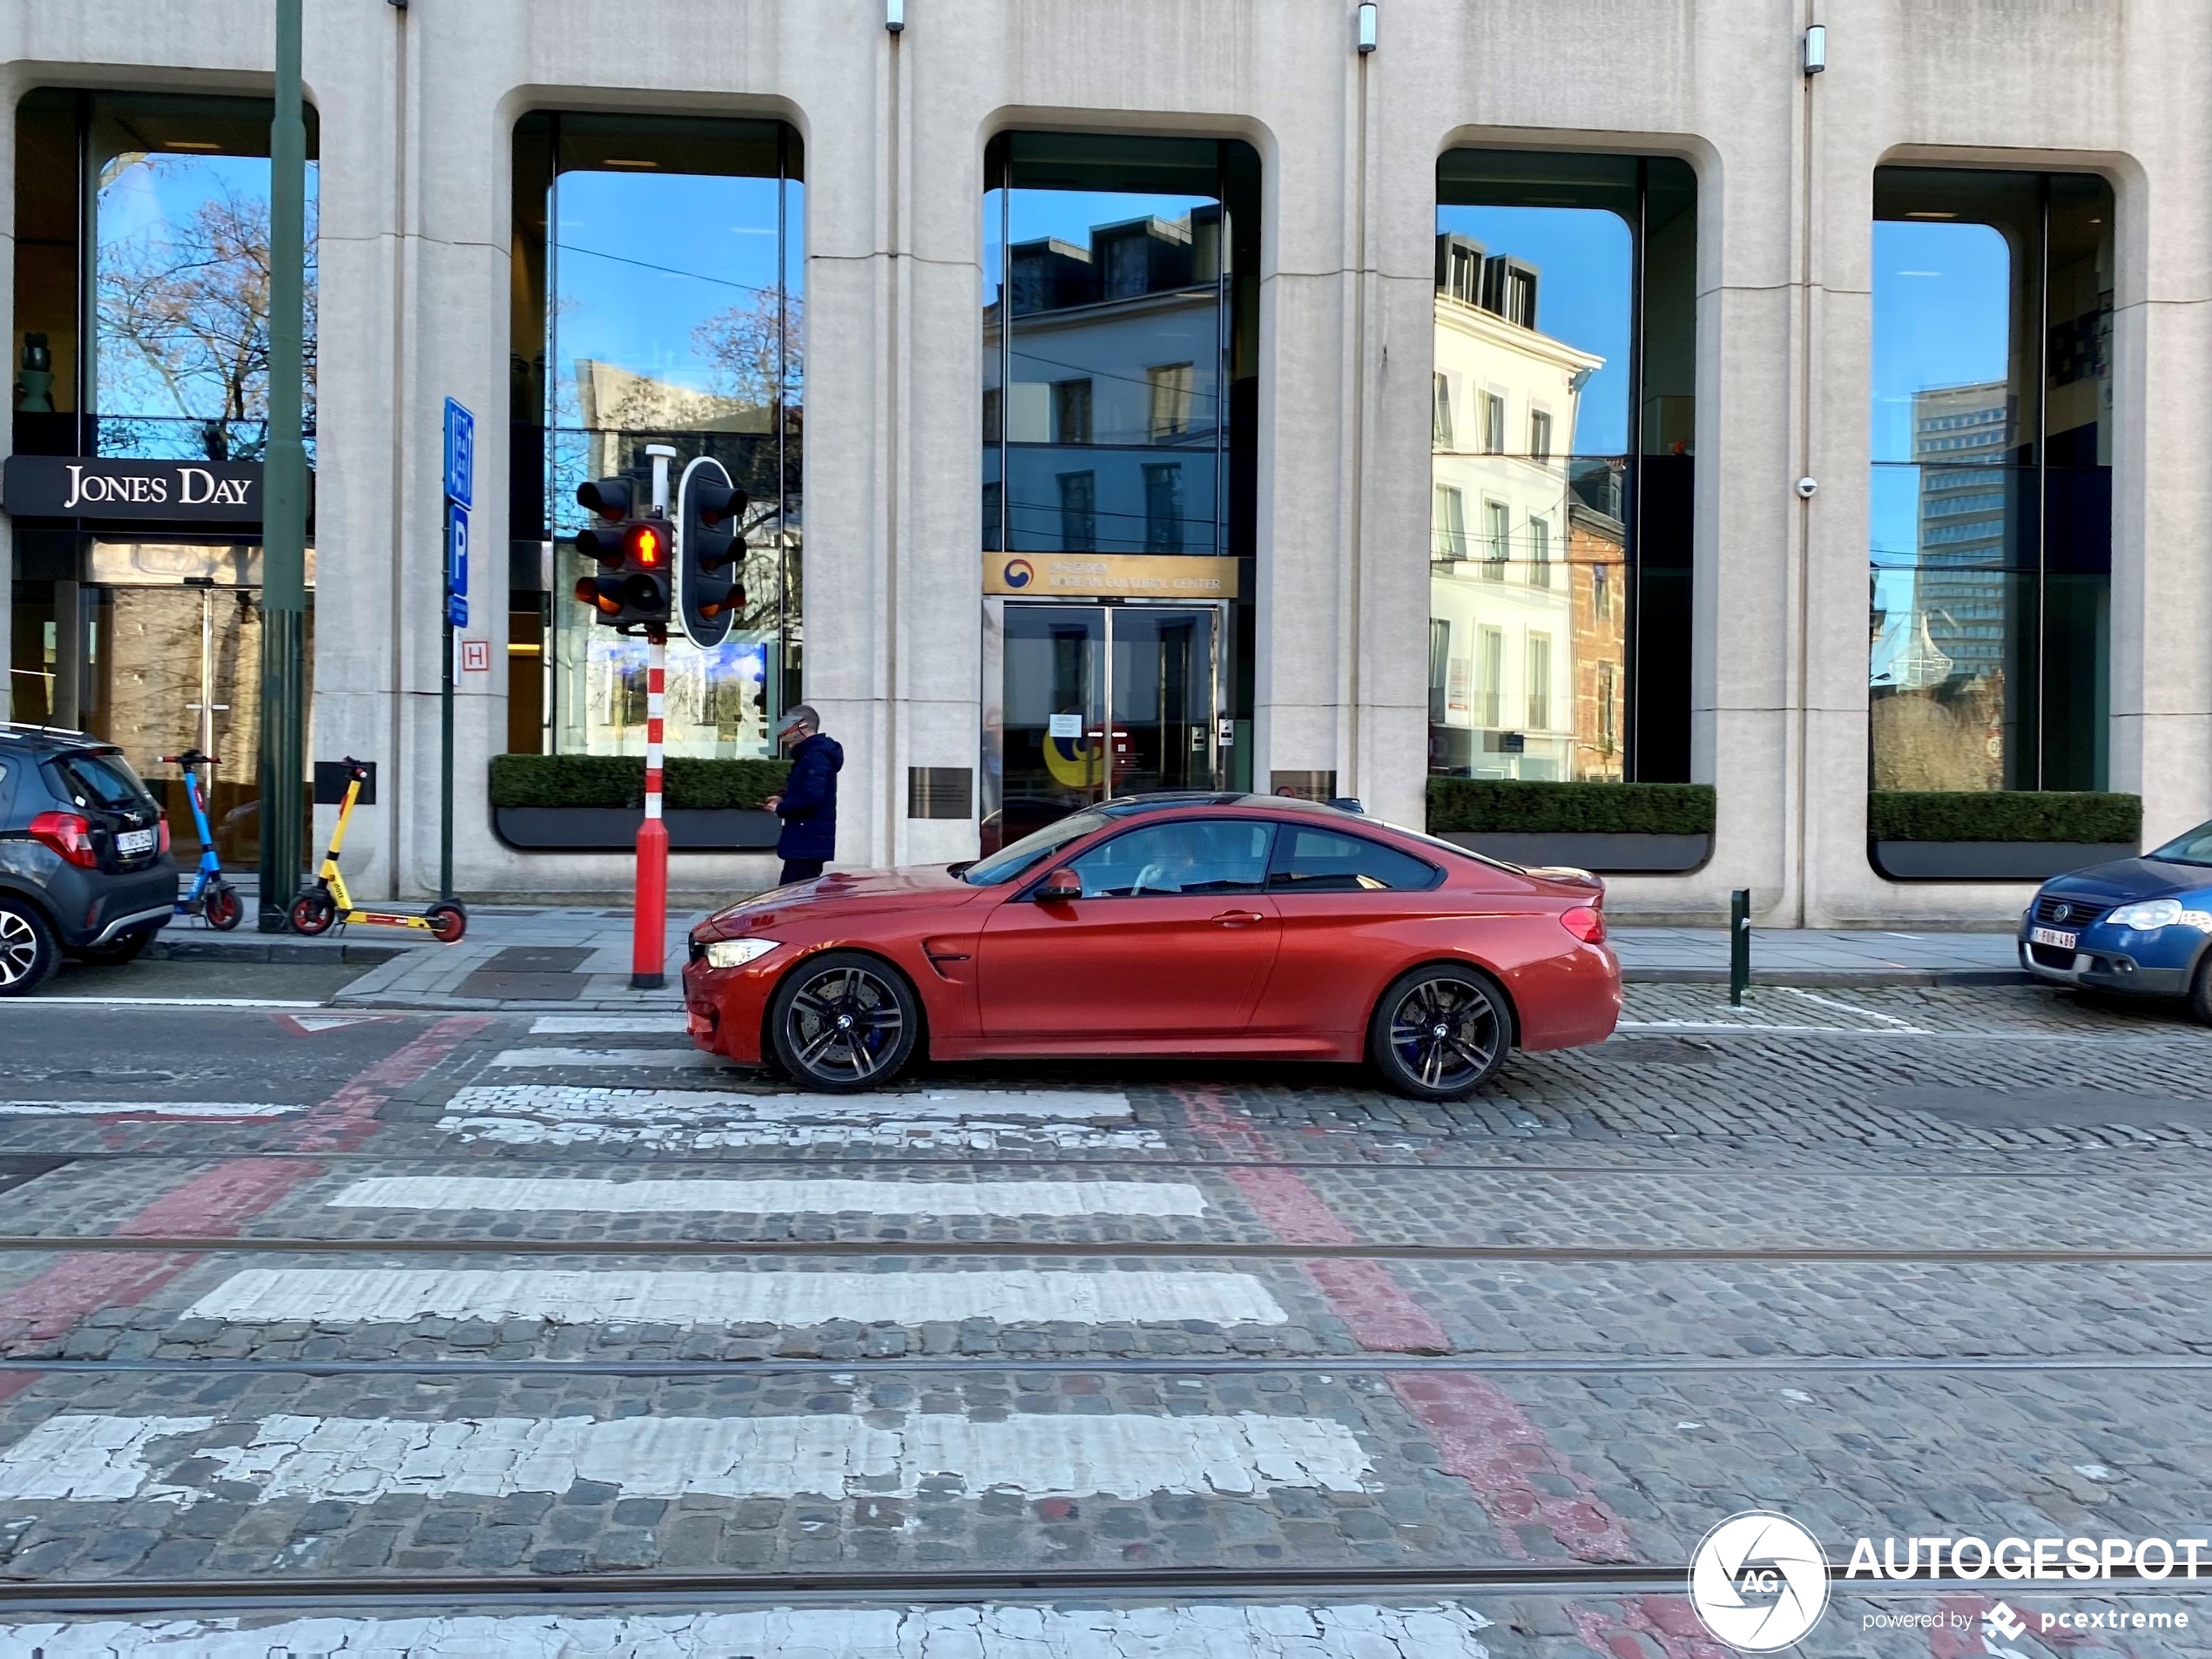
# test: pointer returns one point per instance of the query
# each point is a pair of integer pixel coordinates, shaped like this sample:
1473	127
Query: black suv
85	863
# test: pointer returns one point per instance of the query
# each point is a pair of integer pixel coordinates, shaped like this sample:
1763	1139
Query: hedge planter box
1992	860
1998	834
614	829
1600	854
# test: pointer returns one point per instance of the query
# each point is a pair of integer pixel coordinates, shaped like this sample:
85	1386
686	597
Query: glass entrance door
1064	669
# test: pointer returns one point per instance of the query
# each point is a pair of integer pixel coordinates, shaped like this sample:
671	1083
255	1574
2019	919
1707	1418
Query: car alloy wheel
1439	1032
843	1021
27	950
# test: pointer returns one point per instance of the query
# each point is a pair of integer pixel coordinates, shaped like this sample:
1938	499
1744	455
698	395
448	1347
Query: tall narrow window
1071	411
1539	682
1451	528
1078	511
1992	490
1170	386
1440	659
1497	540
1164	508
1489	674
1578	345
1606	701
1439	426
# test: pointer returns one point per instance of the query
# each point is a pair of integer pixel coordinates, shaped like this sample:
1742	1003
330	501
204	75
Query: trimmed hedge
2085	817
1496	807
619	780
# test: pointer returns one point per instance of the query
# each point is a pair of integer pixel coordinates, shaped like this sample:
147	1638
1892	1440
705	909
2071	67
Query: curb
268	948
1834	979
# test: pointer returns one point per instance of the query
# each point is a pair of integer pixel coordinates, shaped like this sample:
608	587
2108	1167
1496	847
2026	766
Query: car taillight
69	835
164	832
1586	922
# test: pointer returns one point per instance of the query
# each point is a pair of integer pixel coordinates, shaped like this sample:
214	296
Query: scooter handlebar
190	757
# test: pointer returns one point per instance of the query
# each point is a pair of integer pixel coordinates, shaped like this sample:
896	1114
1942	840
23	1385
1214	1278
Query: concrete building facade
416	110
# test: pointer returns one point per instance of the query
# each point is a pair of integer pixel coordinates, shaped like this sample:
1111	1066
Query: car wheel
28	953
1440	1031
842	1021
124	947
2200	990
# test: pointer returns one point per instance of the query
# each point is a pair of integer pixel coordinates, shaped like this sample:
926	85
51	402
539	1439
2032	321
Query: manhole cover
2050	1107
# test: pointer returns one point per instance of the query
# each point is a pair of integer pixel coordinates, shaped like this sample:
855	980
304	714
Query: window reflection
180	278
1991	515
691	335
1562	459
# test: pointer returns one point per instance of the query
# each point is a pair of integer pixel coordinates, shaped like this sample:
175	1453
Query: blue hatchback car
2143	925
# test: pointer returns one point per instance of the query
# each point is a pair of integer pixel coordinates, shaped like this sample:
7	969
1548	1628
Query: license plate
131	843
2052	937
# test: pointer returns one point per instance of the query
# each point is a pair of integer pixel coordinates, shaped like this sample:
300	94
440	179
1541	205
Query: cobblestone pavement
382	1324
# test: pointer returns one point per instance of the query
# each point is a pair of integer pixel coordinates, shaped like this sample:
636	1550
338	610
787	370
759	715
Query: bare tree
755	351
186	304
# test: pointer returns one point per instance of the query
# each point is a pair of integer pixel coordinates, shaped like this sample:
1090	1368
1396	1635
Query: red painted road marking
1482	1435
216	1202
1667	1622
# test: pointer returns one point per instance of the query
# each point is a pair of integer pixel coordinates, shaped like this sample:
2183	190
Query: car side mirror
1060	886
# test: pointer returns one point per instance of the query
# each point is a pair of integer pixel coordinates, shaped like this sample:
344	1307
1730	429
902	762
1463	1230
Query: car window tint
1030	850
101	780
2196	847
1318	861
1192	855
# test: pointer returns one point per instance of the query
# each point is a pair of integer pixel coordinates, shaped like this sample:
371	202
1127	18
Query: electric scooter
210	897
324	902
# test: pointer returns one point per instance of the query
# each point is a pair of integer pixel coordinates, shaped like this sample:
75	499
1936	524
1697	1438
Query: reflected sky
1071	215
645	258
1584	258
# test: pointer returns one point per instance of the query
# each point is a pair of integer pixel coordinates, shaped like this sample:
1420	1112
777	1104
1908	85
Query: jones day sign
223	492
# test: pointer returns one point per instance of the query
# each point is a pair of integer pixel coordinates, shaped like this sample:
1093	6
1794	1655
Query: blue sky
645	258
1584	255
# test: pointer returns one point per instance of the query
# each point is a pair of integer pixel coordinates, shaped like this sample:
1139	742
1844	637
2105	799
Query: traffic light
635	555
708	511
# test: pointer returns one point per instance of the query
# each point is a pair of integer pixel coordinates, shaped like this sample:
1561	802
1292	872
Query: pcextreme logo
1759	1581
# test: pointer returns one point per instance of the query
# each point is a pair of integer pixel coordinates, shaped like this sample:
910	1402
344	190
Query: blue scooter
210	897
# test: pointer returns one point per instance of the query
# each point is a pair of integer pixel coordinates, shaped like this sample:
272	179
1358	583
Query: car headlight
735	953
2142	918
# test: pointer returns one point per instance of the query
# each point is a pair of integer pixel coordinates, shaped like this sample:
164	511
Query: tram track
1063	1249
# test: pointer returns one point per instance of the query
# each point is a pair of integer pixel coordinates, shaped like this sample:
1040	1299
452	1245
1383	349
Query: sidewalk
578	959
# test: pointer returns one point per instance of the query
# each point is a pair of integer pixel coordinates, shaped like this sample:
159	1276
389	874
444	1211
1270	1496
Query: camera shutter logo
1759	1581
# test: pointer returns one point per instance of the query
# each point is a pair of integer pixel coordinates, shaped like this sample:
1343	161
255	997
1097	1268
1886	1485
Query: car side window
1186	855
1319	861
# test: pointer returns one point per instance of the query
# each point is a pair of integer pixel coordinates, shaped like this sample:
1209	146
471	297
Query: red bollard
648	939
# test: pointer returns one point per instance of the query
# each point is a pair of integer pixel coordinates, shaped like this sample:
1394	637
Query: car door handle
1238	918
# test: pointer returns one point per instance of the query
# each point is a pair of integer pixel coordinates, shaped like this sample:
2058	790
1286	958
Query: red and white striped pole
648	936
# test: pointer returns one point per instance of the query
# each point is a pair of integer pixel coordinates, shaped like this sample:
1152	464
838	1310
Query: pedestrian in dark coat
808	804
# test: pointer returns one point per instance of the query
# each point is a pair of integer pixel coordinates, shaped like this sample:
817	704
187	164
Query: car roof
54	738
1171	799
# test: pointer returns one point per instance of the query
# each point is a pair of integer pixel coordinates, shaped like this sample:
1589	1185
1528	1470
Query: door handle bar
1238	918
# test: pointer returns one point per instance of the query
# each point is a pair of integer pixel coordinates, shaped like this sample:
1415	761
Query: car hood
2126	878
842	893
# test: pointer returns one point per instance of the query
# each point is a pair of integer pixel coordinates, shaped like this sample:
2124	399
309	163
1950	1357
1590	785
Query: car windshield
2196	847
1032	849
101	780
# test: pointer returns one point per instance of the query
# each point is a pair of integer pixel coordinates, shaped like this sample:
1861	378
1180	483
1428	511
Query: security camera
1807	487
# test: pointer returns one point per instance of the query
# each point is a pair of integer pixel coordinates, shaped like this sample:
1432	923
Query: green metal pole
284	495
1739	945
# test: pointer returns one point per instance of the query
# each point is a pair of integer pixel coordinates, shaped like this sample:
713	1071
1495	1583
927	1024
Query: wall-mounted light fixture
1815	49
1366	25
895	15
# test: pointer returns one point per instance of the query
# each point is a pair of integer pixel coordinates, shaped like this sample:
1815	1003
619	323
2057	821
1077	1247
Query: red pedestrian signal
632	591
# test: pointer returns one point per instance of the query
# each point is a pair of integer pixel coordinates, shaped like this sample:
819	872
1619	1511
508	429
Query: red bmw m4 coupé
1166	925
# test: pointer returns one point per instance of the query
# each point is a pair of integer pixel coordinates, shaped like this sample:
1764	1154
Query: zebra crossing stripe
584	1025
563	1059
1270	1630
780	1197
1018	1296
358	1459
602	1104
146	1109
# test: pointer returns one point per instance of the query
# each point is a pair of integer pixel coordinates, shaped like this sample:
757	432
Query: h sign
461	454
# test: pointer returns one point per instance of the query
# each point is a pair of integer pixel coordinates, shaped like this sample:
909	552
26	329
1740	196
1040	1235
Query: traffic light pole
284	511
649	936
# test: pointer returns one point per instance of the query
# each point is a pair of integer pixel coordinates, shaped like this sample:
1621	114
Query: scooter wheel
313	912
223	908
448	922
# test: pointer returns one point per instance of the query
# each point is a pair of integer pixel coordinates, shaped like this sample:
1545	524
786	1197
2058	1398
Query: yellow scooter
324	902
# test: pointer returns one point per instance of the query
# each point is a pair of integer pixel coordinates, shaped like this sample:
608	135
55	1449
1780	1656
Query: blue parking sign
457	550
461	454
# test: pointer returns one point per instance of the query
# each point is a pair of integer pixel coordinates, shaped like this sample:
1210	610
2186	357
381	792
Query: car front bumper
2101	968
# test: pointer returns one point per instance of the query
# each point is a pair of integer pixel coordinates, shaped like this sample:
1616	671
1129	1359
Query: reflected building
1516	657
1960	437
